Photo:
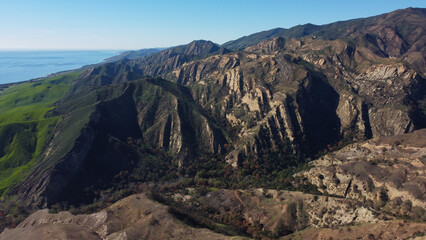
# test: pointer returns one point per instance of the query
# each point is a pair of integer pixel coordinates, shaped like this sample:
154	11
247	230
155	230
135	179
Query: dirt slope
134	217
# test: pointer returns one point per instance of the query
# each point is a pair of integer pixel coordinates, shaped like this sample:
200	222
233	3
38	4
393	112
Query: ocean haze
16	66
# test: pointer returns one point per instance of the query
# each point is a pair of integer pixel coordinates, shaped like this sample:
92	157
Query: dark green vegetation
26	124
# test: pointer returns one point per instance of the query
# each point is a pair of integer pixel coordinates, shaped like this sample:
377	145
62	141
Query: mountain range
312	127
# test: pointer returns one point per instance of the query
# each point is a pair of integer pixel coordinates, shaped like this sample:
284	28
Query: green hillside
25	124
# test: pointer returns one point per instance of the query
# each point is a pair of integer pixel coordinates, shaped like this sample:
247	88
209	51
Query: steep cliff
270	107
121	128
307	91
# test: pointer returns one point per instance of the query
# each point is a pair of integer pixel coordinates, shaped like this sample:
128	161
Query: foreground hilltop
248	114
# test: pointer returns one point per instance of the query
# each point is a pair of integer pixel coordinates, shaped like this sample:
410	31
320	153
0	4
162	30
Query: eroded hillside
208	131
387	173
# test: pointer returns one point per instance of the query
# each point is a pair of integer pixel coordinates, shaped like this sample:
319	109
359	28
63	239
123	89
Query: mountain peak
200	47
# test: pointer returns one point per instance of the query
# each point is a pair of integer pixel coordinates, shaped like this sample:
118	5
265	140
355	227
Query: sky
137	24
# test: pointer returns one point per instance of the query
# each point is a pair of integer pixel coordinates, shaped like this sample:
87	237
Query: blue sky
135	24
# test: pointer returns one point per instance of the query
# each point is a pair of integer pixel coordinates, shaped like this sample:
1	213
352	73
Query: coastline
23	66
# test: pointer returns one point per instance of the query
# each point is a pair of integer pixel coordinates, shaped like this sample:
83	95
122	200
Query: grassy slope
25	124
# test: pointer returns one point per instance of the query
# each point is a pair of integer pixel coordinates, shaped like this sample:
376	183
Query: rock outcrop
387	173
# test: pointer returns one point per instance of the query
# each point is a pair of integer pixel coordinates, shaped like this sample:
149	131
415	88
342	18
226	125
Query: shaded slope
122	128
26	124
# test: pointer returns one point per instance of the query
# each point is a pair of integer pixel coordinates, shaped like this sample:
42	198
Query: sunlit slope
25	124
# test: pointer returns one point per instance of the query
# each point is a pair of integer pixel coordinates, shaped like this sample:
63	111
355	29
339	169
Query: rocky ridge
398	34
387	173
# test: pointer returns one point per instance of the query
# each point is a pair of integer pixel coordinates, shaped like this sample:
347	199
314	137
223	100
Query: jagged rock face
251	91
388	172
268	46
340	98
124	118
280	97
387	87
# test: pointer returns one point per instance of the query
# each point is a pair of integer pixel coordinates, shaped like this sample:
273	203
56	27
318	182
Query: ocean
16	66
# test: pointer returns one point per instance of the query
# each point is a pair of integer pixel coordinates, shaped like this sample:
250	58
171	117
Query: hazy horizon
17	66
112	25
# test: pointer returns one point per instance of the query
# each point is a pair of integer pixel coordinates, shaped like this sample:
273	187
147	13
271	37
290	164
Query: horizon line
66	49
